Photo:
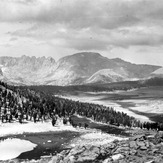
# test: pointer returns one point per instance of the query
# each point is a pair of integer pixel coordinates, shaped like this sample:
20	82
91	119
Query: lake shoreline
50	143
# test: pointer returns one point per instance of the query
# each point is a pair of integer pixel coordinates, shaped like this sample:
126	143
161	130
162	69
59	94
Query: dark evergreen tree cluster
23	103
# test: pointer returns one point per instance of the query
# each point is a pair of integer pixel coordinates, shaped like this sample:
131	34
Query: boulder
141	144
133	144
138	137
132	152
91	153
122	149
117	157
108	160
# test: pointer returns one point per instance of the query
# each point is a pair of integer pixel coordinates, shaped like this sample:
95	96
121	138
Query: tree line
21	102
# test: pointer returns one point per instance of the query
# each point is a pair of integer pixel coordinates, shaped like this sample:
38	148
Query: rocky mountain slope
158	72
107	76
80	68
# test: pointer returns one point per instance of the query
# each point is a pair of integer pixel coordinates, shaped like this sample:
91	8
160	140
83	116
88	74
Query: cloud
87	44
107	14
13	39
103	14
93	38
86	25
5	45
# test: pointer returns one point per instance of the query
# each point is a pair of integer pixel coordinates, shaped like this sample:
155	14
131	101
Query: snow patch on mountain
105	75
159	71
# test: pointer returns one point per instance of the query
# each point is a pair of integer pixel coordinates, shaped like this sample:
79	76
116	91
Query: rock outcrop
138	149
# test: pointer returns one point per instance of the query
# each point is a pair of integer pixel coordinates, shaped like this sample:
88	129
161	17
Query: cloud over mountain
68	26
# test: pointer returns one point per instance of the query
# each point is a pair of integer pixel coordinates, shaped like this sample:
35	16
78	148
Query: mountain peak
118	59
50	59
83	54
71	70
34	57
24	56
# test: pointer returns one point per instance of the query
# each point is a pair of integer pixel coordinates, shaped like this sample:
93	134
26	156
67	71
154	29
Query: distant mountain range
80	68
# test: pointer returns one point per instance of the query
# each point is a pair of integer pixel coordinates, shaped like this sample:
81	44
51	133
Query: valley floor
144	104
109	103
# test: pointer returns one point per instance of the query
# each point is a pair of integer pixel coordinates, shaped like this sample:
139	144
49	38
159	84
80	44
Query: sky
128	29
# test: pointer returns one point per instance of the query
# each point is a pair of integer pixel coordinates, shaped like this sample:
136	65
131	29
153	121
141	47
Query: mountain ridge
71	70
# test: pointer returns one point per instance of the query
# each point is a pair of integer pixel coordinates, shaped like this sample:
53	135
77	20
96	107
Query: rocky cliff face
80	68
26	70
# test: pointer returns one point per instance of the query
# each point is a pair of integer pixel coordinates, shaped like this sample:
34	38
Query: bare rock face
25	69
135	150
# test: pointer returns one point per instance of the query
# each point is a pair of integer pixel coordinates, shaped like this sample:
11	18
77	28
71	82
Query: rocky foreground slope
138	149
141	148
